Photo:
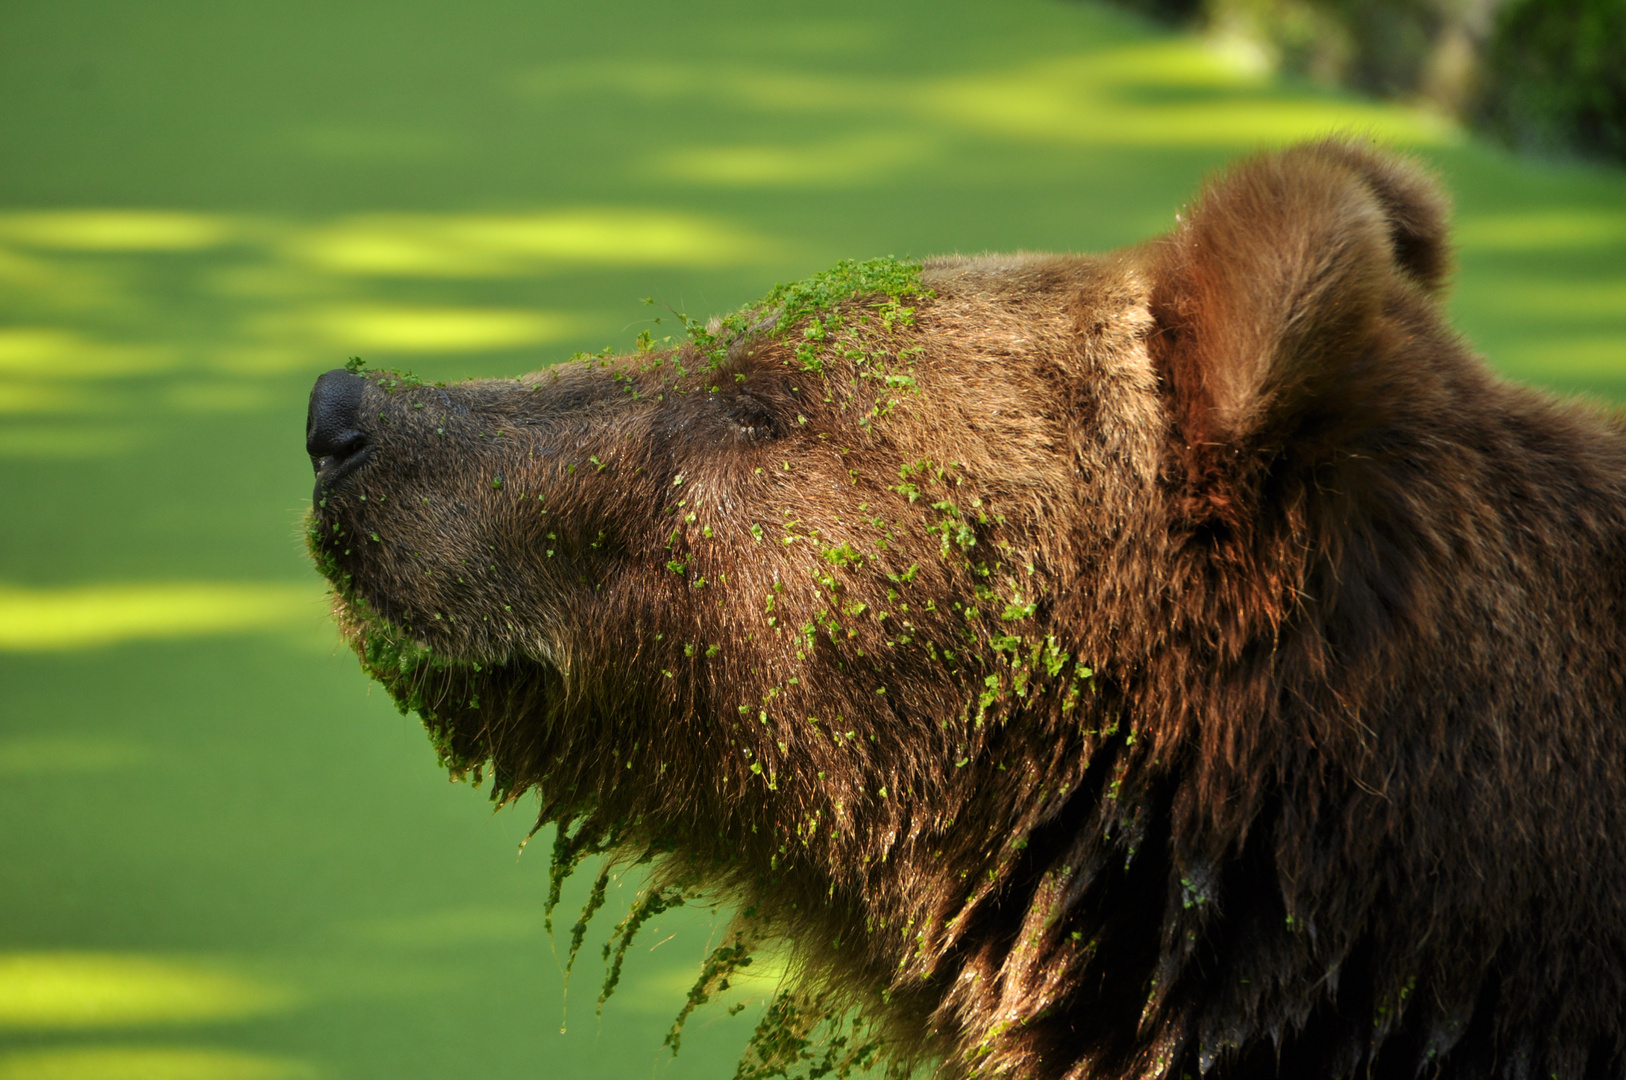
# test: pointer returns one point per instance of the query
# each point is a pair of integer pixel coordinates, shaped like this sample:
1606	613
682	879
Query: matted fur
1185	661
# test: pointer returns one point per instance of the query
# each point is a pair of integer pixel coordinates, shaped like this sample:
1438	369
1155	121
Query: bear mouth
339	462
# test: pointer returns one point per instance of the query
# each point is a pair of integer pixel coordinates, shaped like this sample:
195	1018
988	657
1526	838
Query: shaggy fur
1185	661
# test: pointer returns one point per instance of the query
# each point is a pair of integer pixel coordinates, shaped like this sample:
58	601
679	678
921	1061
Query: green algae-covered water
226	857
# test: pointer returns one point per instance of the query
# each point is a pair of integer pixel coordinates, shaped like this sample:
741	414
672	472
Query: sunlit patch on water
149	1063
85	616
46	991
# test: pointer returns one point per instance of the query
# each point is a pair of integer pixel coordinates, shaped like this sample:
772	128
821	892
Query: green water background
225	856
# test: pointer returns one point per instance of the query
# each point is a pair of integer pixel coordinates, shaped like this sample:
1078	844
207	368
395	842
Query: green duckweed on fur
855	314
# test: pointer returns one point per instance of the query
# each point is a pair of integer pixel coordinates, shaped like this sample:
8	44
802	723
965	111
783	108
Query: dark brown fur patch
1187	661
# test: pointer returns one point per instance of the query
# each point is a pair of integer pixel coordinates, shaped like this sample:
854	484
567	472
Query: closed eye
752	420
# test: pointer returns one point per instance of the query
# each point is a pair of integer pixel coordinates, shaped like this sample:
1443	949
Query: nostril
332	431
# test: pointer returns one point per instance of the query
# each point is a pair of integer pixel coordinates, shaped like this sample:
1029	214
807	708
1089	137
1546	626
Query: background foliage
1542	75
226	857
1555	76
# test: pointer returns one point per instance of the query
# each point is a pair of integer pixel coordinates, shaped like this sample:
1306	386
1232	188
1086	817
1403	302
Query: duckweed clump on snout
387	379
851	313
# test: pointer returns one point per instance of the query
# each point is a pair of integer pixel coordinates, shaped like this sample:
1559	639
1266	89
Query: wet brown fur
1343	794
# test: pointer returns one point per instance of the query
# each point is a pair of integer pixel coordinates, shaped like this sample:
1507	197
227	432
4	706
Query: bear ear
1268	298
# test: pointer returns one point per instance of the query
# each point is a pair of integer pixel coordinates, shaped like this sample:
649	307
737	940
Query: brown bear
1190	661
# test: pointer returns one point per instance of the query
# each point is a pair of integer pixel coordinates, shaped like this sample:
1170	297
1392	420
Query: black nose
333	436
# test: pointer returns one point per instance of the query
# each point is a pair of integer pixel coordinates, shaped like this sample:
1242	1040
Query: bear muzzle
333	437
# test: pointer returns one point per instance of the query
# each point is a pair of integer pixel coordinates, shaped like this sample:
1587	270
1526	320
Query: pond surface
226	856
